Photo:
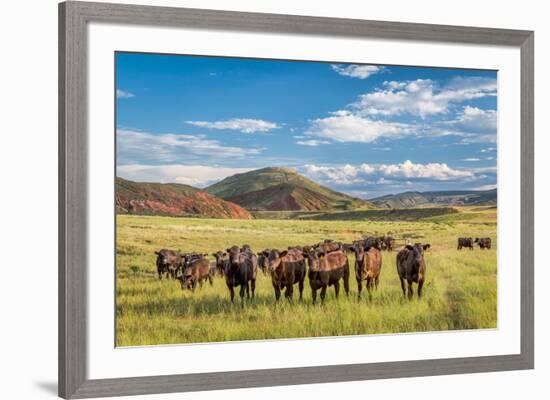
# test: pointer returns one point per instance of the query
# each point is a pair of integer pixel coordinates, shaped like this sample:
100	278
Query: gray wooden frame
73	172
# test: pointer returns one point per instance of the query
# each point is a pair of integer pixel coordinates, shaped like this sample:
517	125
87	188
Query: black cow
263	260
411	267
168	262
241	271
222	262
484	243
465	242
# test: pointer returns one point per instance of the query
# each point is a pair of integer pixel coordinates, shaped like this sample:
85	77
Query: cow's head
274	259
186	281
234	254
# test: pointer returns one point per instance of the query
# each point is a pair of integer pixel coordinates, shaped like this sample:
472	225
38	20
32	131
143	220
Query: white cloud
486	187
145	147
244	125
343	126
422	97
194	175
472	159
122	94
476	120
386	173
356	71
488	149
312	142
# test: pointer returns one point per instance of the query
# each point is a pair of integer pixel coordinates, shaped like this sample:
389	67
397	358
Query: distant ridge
281	189
172	199
437	198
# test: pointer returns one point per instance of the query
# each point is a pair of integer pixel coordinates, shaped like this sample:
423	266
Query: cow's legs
210	280
409	290
288	292
403	286
359	288
376	282
232	293
247	290
369	287
323	294
241	293
301	288
314	295
420	284
253	286
336	289
277	292
346	284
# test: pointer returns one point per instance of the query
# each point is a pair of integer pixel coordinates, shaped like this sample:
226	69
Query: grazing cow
263	260
326	270
241	271
197	270
287	268
411	267
484	243
222	262
368	263
465	242
168	262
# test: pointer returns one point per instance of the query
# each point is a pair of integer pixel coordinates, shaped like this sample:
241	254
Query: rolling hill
281	189
172	199
437	198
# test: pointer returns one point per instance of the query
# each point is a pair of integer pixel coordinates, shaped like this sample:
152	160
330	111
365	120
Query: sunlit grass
460	291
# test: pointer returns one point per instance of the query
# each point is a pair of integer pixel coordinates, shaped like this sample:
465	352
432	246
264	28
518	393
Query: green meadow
460	291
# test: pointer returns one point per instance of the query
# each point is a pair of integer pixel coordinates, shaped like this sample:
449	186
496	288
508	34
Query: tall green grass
460	290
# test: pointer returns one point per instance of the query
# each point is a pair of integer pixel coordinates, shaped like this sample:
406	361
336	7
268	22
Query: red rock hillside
172	199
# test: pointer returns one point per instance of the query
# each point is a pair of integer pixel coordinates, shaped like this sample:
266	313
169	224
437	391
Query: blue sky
367	130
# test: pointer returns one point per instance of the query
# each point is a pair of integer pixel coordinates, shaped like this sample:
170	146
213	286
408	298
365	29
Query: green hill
278	189
172	199
437	198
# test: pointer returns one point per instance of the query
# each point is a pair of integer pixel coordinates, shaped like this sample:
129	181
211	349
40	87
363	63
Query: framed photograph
253	200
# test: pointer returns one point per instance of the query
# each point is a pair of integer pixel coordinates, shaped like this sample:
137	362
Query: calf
241	271
287	268
168	262
411	267
222	262
197	270
326	269
465	242
368	263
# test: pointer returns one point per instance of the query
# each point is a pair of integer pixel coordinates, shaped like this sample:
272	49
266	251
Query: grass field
460	290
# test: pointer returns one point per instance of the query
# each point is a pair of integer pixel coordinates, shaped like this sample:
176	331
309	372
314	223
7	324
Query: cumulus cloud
476	120
122	94
385	173
244	125
356	71
471	159
344	126
422	97
150	148
194	175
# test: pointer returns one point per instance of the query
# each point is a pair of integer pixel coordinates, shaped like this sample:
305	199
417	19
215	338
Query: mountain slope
277	189
456	197
173	200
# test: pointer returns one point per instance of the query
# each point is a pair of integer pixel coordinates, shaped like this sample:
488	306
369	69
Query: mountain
456	198
281	189
172	199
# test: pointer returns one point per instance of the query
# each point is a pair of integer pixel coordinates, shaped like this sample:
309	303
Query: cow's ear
409	247
157	253
224	254
283	253
426	246
228	250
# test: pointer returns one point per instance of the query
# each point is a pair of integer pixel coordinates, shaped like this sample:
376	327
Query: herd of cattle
327	265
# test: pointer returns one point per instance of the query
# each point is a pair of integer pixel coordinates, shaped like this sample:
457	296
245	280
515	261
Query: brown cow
411	267
197	270
168	262
368	263
287	268
327	246
326	269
